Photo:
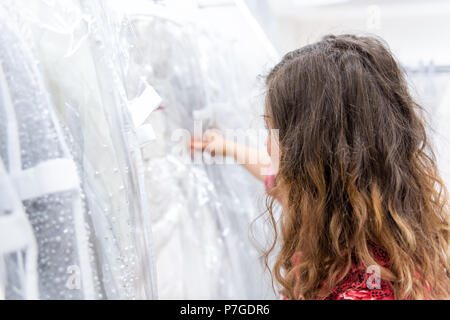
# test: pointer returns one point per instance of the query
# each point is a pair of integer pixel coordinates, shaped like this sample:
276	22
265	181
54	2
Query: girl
359	184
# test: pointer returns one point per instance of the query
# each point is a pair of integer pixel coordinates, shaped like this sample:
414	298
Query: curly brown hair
356	168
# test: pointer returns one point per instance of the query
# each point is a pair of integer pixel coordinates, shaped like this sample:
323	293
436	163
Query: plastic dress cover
200	213
80	64
18	255
34	148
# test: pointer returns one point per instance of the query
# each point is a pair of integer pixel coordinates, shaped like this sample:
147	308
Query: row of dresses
431	87
100	200
202	214
71	158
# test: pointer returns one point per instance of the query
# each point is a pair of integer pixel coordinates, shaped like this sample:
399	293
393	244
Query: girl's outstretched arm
255	161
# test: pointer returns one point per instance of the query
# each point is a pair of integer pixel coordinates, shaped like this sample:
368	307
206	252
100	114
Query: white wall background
415	29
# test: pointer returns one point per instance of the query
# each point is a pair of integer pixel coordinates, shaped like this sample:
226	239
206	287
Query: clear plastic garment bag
18	255
73	71
201	213
80	67
44	179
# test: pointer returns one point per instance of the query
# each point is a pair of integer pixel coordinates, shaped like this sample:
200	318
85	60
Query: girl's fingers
199	144
210	149
212	134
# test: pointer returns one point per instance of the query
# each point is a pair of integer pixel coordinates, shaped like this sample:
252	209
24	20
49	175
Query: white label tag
145	134
144	105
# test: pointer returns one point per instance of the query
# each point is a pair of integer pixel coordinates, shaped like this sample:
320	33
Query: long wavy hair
355	168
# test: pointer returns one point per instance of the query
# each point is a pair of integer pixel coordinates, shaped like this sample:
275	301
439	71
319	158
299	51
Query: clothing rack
430	68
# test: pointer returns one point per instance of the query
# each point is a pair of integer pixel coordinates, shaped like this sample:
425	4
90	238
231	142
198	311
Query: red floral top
358	284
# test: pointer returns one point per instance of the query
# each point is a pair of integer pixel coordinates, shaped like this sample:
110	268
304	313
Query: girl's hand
214	143
253	160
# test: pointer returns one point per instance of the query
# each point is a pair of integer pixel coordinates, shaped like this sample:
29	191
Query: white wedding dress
100	230
96	219
201	214
33	148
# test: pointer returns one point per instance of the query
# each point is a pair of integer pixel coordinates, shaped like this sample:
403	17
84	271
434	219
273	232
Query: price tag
144	105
